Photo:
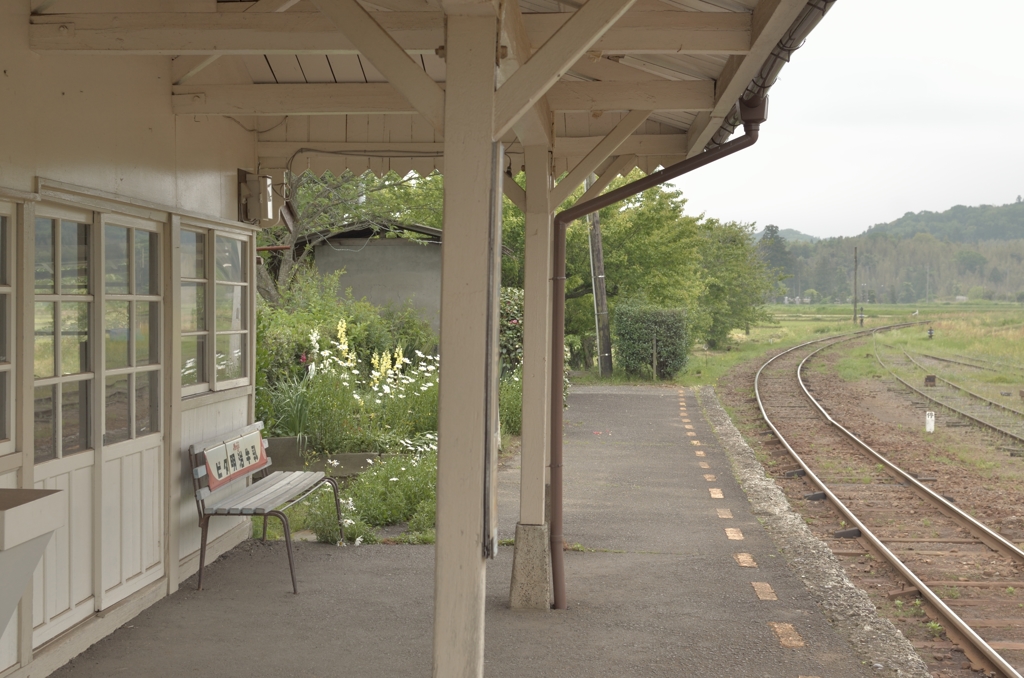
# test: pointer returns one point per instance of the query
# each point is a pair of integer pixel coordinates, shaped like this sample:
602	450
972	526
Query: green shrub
312	302
510	403
510	329
636	328
368	408
395	489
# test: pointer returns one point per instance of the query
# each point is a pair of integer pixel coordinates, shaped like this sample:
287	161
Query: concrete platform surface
672	575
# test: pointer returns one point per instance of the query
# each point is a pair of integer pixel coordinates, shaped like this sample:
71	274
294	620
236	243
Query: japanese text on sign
234	459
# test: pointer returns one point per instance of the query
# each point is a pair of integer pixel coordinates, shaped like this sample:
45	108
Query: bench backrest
220	461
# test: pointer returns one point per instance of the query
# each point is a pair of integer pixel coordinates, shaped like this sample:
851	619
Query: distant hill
790	235
959	224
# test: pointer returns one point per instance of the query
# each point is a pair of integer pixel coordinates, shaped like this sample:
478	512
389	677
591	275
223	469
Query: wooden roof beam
565	147
619	165
549	63
416	32
352	98
601	152
770	21
536	126
374	43
514	192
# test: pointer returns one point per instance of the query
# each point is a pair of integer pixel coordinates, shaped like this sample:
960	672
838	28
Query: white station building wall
144	204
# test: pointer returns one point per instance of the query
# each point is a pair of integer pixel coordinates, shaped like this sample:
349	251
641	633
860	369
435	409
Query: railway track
955	397
957	571
977	364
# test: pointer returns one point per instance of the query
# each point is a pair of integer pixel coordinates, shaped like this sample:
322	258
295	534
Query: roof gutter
750	111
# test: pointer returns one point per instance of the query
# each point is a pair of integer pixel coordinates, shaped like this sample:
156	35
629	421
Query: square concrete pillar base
531	568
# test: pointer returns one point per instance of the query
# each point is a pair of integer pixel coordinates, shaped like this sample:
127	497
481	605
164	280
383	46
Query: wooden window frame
86	378
8	213
132	298
212	383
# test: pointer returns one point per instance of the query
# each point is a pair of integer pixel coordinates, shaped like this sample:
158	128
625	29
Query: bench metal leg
288	544
204	524
264	527
337	506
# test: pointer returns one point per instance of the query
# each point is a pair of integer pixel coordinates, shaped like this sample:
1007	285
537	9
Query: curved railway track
938	550
959	399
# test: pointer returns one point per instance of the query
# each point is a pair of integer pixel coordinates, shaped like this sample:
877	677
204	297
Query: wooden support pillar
536	337
467	417
531	566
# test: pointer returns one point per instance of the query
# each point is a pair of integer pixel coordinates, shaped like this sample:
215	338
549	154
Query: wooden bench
217	464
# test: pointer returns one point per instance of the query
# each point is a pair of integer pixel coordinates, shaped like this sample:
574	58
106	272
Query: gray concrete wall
387	271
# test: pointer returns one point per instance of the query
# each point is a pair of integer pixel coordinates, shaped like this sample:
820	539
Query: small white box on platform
929	422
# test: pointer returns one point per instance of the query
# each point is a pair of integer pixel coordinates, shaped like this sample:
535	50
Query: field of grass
964	327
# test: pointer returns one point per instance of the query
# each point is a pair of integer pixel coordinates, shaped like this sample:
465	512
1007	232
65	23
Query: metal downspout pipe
752	112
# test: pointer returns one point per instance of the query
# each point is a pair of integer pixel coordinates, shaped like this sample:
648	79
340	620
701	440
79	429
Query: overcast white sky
891	106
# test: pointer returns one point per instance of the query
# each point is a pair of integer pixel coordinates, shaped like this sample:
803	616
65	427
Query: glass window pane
44	256
74	258
230	308
193	360
45	423
230	259
4	303
230	356
116	418
147	403
44	351
115	252
147	332
193	307
3	251
74	337
146	260
4	399
193	255
74	417
116	328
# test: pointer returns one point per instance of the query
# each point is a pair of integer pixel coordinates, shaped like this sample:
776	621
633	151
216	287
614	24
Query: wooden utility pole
855	286
604	332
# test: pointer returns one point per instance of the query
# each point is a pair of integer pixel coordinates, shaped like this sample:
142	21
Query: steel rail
965	390
958	362
924	395
961	628
1012	367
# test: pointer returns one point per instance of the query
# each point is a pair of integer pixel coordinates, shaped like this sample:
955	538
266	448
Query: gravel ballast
847	607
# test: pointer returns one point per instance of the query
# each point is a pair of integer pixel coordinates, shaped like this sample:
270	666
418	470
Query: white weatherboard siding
97	138
197	425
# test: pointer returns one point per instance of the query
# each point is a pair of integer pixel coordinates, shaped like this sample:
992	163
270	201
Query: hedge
636	328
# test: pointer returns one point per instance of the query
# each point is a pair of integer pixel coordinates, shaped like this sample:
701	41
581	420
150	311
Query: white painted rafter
770	21
535	126
619	165
294	32
549	63
515	193
601	152
377	45
350	98
668	145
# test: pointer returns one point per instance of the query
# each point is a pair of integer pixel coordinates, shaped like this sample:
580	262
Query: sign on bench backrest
234	459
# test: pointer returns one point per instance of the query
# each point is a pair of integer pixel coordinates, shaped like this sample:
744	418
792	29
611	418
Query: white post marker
929	422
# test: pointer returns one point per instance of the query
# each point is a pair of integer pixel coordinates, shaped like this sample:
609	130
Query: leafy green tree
970	261
738	280
772	248
319	206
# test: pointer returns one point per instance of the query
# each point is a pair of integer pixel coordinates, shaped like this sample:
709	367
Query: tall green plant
642	329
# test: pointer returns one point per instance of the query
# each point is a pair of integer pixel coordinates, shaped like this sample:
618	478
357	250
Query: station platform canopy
318	99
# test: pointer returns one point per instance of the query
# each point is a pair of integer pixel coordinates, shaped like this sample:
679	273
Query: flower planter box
27	520
287	454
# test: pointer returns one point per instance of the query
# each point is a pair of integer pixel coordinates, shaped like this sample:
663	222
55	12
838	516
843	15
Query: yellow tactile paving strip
786	633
